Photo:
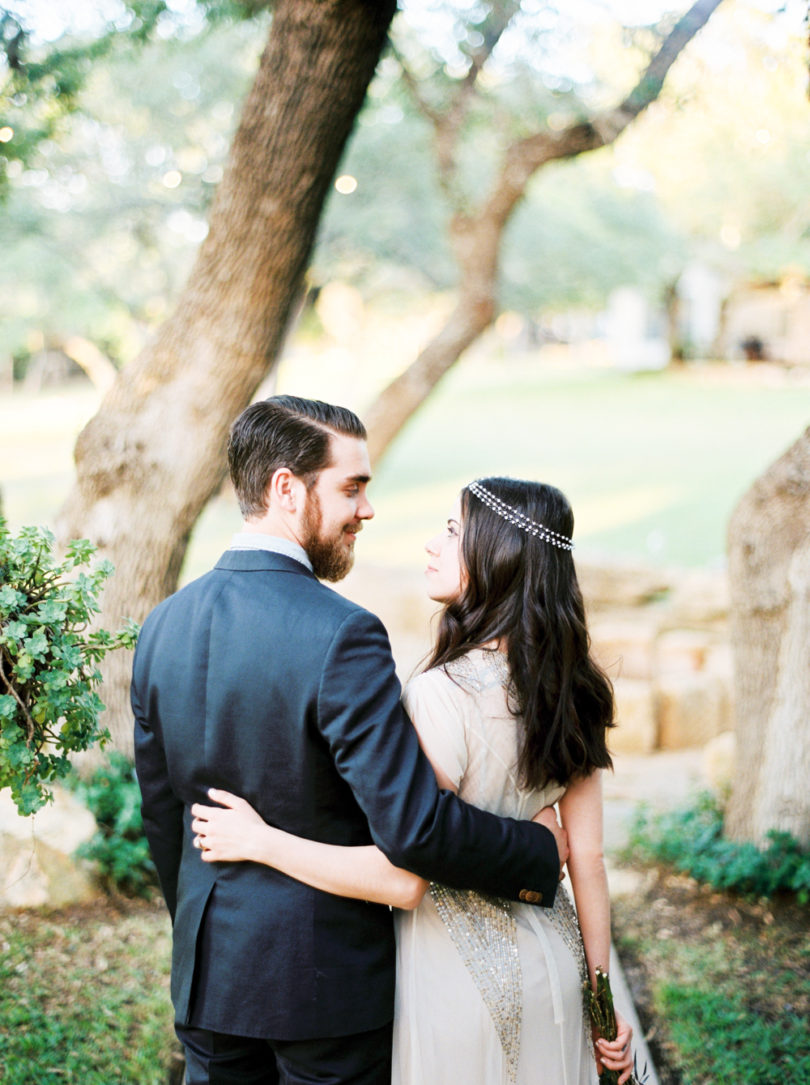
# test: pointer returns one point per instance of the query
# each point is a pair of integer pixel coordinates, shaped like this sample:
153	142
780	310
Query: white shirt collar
254	540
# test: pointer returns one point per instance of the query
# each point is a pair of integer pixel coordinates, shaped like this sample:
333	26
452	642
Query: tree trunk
476	305
672	306
769	575
151	458
476	250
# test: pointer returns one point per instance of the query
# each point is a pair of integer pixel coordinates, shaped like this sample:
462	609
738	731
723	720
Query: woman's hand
229	831
616	1054
548	817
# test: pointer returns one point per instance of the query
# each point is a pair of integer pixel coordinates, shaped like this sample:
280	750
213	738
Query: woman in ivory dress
513	715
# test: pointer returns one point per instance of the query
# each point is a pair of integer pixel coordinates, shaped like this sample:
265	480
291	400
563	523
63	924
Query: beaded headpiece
518	518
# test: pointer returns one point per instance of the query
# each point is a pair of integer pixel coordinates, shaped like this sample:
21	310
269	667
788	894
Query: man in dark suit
259	679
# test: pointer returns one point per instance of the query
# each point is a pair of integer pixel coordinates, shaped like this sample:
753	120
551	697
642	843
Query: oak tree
153	455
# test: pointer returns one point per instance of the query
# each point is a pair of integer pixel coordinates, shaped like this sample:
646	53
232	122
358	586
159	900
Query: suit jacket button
523	894
533	896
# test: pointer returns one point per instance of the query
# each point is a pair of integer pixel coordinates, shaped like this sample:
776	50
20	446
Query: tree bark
476	233
153	455
769	576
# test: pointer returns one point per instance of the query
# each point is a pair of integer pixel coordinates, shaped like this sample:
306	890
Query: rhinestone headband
519	519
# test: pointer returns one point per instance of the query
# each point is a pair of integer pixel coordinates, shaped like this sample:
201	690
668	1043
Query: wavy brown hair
524	591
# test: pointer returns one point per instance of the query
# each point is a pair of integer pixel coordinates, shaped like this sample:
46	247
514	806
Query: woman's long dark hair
524	591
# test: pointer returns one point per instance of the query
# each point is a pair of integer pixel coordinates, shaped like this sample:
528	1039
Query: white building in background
708	318
711	319
635	331
700	293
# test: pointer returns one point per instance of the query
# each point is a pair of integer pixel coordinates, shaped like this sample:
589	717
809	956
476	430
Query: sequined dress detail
488	991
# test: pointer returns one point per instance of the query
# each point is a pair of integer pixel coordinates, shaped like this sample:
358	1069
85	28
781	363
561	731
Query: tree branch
445	133
491	29
652	80
413	87
447	122
476	233
526	156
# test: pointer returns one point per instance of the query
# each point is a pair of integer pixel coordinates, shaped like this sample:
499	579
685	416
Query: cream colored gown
488	991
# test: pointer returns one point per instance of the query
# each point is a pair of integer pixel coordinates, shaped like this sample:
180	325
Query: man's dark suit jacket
261	680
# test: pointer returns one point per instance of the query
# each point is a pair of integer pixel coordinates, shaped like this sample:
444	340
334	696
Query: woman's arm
581	816
233	831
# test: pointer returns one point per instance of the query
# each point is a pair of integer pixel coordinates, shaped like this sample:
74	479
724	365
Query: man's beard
330	558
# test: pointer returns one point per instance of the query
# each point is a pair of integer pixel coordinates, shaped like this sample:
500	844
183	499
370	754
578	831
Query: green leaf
51	611
50	660
79	552
37	644
10	599
14	632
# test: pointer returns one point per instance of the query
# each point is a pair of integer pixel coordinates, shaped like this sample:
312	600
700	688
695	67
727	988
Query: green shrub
49	707
119	847
692	841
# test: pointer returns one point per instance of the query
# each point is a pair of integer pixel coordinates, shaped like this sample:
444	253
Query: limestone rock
700	597
636	728
624	646
683	651
617	584
691	709
37	865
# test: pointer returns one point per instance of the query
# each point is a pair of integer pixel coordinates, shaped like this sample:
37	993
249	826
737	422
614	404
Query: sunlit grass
653	464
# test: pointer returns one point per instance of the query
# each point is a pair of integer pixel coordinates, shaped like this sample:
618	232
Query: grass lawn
722	985
653	464
84	995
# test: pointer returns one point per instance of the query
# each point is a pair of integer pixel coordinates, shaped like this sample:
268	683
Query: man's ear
285	491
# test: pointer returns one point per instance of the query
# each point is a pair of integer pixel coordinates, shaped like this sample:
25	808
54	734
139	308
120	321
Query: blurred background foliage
121	129
115	122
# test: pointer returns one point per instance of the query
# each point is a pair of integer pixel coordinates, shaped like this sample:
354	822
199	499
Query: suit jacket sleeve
419	827
162	811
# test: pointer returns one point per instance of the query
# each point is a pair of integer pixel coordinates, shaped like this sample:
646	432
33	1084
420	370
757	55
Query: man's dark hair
283	431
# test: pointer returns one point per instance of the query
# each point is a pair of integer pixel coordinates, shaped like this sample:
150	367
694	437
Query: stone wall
661	635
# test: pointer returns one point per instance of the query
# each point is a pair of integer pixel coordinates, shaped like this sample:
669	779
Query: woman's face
444	574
